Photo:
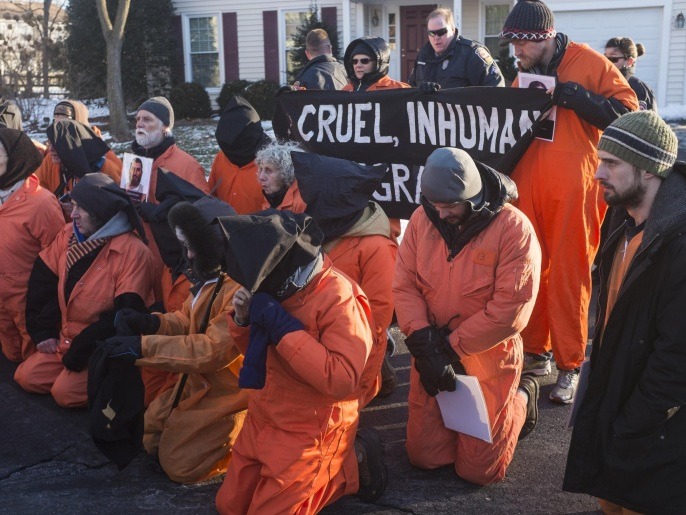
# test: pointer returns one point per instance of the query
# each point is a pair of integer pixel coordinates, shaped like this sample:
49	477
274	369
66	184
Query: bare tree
47	19
114	38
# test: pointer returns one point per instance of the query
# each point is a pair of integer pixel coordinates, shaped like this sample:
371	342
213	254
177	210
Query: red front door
413	35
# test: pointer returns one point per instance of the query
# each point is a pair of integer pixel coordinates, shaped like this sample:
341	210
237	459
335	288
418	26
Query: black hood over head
196	221
239	132
497	188
378	49
23	158
336	191
169	191
78	147
264	249
101	196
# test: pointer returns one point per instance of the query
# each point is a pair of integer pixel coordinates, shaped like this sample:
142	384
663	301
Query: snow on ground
673	113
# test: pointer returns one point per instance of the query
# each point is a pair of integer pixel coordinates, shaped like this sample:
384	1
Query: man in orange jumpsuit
30	218
306	336
465	283
276	177
234	172
95	266
357	239
193	439
556	186
51	173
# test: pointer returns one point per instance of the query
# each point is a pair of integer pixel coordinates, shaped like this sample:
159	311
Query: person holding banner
448	60
556	187
466	280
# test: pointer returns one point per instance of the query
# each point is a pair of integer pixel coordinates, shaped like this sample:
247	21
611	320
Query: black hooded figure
10	115
23	157
377	49
239	132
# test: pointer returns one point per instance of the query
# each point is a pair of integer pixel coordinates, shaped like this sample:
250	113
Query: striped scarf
77	251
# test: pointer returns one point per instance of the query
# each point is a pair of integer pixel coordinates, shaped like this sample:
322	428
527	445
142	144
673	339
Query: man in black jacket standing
322	71
628	447
448	60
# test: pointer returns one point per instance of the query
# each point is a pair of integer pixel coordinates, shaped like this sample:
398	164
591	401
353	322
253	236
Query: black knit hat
160	107
529	20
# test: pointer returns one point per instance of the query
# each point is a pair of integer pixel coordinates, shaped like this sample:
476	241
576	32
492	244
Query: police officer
450	61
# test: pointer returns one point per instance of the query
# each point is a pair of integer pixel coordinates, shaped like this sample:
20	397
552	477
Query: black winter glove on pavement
129	322
127	348
434	359
430	87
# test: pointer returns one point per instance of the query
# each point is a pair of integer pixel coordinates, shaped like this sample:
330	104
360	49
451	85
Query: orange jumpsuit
123	265
31	218
558	193
239	186
366	254
171	293
194	441
485	296
385	83
292	201
295	453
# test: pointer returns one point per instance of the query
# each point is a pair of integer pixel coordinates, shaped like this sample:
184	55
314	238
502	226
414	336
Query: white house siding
249	18
470	27
676	73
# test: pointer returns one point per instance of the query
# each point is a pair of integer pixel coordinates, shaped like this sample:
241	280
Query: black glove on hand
430	87
564	92
433	359
127	348
284	89
129	322
266	312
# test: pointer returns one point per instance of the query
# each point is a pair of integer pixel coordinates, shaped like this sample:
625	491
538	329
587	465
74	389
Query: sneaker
530	386
372	470
536	364
391	345
389	379
566	386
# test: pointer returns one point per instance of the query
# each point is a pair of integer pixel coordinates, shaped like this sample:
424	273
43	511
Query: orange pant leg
156	382
430	445
370	383
16	343
70	389
610	508
566	210
276	471
38	373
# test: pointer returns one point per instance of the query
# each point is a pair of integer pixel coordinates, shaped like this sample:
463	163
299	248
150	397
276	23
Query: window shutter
270	25
230	31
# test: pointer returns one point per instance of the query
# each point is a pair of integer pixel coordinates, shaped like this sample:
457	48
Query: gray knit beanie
450	176
529	20
160	107
643	139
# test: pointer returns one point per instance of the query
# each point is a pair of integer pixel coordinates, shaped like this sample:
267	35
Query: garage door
596	27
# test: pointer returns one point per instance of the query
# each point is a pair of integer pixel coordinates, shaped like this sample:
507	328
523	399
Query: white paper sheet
464	410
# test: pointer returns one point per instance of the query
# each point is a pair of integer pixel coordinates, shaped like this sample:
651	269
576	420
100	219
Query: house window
292	20
391	31
495	19
204	51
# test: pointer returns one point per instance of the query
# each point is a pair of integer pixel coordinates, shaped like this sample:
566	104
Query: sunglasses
364	60
438	33
615	60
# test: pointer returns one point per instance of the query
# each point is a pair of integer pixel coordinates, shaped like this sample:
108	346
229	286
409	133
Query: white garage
596	26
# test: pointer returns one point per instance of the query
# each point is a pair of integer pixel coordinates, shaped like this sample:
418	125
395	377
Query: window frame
484	6
284	38
188	65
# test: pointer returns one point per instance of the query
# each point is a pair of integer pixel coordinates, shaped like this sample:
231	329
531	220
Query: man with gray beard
154	139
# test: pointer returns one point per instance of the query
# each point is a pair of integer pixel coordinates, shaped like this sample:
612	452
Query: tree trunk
119	127
46	48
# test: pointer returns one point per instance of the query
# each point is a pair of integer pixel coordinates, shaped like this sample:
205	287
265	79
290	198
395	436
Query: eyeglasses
438	33
364	60
615	60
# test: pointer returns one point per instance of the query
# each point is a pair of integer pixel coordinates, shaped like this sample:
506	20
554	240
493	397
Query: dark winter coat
379	50
629	439
463	63
323	72
646	97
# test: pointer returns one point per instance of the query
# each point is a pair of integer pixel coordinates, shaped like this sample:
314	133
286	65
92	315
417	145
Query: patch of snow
673	112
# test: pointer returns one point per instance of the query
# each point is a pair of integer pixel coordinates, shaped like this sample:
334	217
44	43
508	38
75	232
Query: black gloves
127	348
593	108
276	322
129	322
434	359
430	87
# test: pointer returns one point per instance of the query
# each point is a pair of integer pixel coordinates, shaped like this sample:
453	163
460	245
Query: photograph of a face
135	177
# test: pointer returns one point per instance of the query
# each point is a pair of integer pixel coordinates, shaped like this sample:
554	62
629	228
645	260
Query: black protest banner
401	127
